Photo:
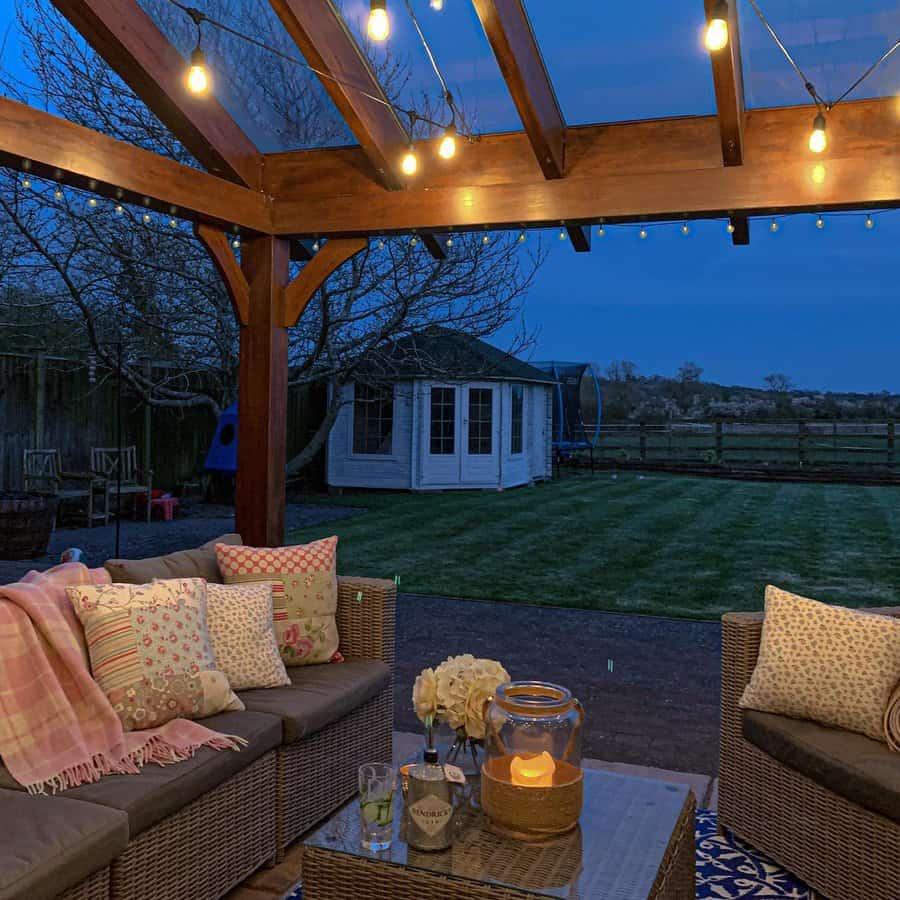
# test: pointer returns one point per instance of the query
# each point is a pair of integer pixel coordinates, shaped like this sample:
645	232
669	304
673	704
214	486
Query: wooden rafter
312	276
580	236
128	39
61	150
512	39
319	31
661	169
434	246
729	87
219	249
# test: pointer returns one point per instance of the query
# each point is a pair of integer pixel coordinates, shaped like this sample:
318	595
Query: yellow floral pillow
830	664
150	651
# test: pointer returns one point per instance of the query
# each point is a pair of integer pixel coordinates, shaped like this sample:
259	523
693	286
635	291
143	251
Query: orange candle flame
533	771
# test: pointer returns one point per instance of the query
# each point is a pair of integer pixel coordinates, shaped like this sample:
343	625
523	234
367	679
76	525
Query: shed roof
442	353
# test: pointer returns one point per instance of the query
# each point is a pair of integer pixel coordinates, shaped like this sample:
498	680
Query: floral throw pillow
243	636
304	615
150	652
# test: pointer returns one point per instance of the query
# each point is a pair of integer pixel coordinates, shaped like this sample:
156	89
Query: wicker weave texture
94	887
677	879
841	850
209	846
366	616
318	775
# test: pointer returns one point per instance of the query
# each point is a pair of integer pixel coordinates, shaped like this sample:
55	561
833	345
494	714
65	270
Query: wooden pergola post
262	394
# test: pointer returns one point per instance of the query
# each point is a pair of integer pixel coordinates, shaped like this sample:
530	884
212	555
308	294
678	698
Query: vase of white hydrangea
454	695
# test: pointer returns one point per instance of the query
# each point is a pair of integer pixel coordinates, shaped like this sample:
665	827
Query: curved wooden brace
314	274
219	248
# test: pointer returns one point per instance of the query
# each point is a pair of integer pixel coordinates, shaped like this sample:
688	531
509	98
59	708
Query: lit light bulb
562	234
685	230
716	35
410	162
820	222
315	246
601	232
449	242
817	139
146	218
437	5
773	227
869	222
642	233
236	243
521	237
730	227
26	183
486	239
379	25
198	74
58	194
413	241
92	203
119	209
381	245
173	223
447	146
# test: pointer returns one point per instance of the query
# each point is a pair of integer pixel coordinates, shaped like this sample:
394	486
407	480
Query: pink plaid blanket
57	729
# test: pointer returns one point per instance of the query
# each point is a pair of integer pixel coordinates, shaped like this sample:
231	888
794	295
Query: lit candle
533	771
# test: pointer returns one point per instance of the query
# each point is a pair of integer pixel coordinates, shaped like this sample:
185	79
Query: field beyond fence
848	445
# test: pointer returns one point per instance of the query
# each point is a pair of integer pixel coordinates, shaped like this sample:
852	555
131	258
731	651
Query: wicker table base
635	842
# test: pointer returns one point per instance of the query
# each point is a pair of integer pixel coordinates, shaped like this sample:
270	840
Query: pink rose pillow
304	614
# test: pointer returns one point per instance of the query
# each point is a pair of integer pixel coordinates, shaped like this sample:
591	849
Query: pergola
738	163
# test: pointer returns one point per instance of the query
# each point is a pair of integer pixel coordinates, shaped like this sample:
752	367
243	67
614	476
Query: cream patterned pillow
243	635
830	664
305	624
150	652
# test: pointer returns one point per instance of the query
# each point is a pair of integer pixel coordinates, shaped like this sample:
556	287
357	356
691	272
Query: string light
198	74
173	223
817	139
58	194
437	5
447	146
236	243
716	35
410	162
120	210
449	242
601	232
26	183
642	234
685	230
869	222
379	25
773	227
521	237
92	203
147	218
413	241
730	227
486	239
562	234
820	222
315	246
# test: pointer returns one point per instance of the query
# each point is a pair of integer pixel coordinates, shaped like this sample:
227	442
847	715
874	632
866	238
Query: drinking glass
377	782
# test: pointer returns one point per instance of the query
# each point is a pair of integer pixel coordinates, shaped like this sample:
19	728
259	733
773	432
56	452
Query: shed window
373	419
517	415
443	421
481	421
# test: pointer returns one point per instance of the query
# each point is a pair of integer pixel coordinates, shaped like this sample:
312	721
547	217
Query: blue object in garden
222	453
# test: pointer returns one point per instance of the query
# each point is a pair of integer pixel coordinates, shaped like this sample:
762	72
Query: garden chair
134	482
43	474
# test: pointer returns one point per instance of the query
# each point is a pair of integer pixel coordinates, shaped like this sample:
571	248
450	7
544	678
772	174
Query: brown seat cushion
863	771
160	791
198	563
52	843
319	695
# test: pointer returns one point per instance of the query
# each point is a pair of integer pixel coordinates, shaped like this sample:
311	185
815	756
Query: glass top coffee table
635	841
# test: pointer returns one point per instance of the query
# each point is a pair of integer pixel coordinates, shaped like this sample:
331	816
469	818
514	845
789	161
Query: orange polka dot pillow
150	652
305	626
826	663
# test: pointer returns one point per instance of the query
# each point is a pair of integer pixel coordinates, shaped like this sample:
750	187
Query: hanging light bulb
521	237
820	222
120	210
486	239
447	146
92	203
730	227
817	139
315	246
413	241
773	227
685	230
642	233
198	80
381	244
449	242
58	194
236	243
601	232
562	234
410	162
147	218
173	223
437	5
26	183
716	35
379	25
869	222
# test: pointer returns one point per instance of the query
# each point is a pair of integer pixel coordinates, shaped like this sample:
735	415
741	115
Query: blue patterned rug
728	869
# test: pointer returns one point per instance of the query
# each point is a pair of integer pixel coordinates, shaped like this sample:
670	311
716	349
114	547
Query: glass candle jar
531	784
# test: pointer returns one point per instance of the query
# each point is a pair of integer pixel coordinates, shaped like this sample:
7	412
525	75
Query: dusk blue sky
822	306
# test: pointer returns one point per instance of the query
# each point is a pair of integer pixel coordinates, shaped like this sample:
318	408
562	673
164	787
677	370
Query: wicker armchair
840	849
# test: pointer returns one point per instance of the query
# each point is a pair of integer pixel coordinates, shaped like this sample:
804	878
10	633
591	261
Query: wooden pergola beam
319	31
219	248
580	236
434	246
128	39
729	86
512	39
662	169
63	151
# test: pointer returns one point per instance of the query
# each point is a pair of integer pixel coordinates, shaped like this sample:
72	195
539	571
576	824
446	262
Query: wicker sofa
195	829
823	802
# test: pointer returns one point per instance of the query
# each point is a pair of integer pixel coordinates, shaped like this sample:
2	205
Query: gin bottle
429	805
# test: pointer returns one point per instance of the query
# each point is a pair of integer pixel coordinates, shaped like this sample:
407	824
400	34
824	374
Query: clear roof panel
833	41
618	61
461	50
280	105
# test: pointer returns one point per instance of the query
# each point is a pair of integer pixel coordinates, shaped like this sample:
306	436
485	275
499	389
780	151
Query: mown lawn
657	544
